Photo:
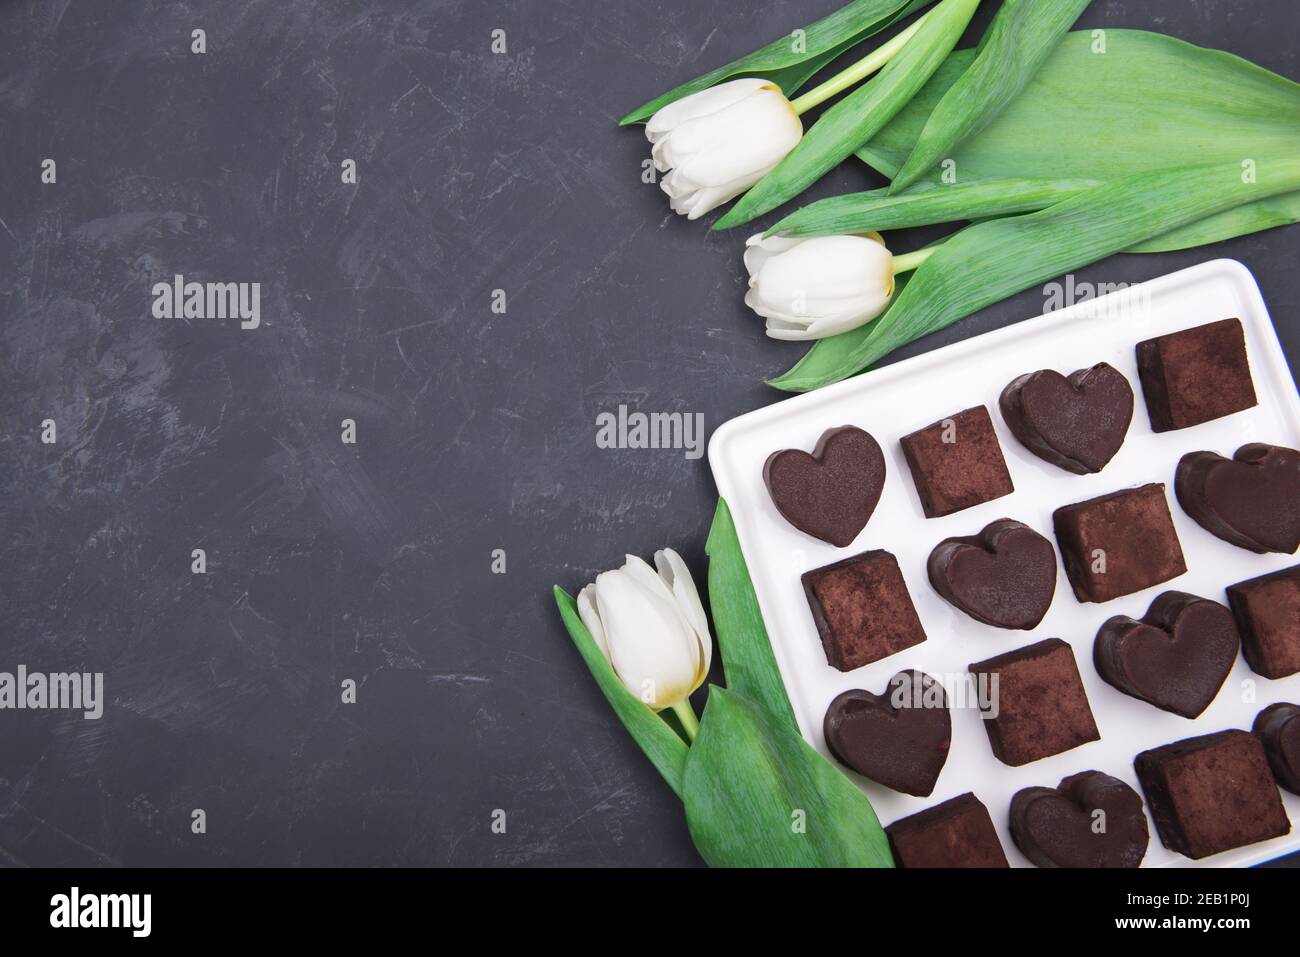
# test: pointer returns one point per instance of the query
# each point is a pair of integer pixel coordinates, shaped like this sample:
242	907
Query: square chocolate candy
1212	793
863	609
957	462
956	833
1039	705
1118	544
1267	610
1196	375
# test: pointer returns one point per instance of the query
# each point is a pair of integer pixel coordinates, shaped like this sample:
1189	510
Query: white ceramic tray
895	400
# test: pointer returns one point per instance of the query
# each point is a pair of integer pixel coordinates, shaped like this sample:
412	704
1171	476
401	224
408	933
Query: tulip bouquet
1063	148
754	792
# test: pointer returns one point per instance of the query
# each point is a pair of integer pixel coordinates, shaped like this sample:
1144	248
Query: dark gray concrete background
476	430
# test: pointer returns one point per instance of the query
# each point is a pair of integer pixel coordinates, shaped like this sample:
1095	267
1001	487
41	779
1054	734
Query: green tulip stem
869	64
909	261
686	715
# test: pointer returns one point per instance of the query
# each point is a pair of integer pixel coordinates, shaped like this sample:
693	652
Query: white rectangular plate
891	402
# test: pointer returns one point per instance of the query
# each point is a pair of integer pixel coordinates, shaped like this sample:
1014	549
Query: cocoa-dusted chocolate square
1212	793
1267	610
1118	544
863	609
1039	705
957	463
956	833
1196	375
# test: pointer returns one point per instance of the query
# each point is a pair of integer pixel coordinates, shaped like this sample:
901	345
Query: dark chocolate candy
1212	793
862	609
1278	726
1176	658
956	833
1004	576
1267	610
1251	500
957	462
1090	820
1040	708
1077	423
899	739
1196	375
831	493
1118	544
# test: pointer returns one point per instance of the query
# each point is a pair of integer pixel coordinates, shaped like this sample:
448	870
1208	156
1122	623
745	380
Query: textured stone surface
475	430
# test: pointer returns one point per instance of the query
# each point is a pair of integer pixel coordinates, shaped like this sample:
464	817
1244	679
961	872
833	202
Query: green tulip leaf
747	657
1115	103
790	65
758	795
1020	39
1242	221
666	751
857	117
926	204
990	261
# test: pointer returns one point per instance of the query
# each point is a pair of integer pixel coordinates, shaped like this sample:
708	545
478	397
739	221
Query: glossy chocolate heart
1090	820
899	739
1176	658
1077	423
1005	576
831	493
1251	500
1278	726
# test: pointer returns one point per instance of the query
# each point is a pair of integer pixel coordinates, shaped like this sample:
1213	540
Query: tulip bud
650	627
820	286
721	141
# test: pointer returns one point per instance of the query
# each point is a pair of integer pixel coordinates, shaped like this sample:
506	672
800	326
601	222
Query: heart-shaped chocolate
1090	820
1077	423
1176	658
831	493
899	739
1278	726
1251	500
1005	576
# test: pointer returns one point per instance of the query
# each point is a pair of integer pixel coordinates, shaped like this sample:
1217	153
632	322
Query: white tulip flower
721	141
651	628
816	287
